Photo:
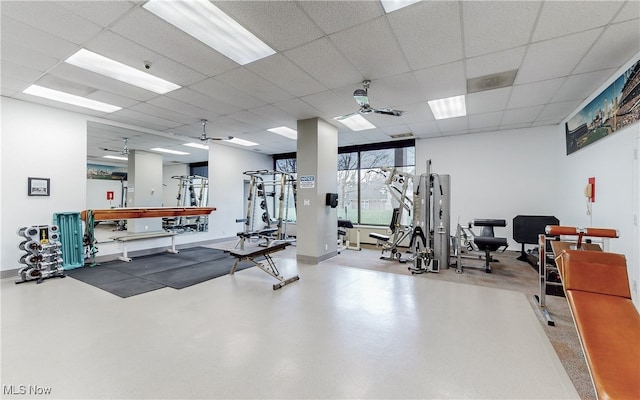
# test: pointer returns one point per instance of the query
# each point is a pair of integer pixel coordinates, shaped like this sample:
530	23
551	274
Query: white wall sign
307	181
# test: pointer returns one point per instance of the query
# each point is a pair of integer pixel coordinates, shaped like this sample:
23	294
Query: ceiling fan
124	151
362	98
206	138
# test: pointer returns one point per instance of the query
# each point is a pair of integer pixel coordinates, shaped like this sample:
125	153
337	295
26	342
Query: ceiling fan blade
218	138
388	111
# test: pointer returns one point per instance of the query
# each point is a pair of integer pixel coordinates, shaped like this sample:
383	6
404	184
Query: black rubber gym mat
180	278
147	273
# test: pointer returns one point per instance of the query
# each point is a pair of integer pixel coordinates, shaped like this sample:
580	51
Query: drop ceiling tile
558	111
12	86
453	125
533	94
116	47
555	58
582	85
423	37
559	18
149	31
515	126
442	81
164	113
392	91
521	115
102	13
501	61
378	56
416	112
615	47
214	107
49	17
330	104
249	118
112	98
480	121
279	117
250	83
334	16
148	121
630	10
224	93
61	106
222	126
283	73
321	60
170	103
488	101
297	108
271	22
494	26
20	55
27	36
12	70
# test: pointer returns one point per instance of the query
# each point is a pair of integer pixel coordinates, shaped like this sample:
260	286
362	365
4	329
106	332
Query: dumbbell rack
43	256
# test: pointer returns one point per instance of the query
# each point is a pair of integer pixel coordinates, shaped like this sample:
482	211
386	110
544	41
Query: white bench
141	236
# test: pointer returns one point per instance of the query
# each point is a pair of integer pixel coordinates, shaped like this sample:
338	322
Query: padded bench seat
142	236
379	236
608	324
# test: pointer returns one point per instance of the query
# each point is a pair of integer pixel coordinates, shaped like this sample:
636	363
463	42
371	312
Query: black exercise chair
486	240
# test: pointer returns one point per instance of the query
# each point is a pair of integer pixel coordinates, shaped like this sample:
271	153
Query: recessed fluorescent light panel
116	158
355	122
197	145
285	131
72	99
161	150
208	24
393	5
448	108
241	142
102	65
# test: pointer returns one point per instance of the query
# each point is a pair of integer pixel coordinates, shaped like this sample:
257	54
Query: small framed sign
39	187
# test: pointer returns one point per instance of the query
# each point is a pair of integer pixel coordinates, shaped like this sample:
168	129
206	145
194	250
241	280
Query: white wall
496	174
39	141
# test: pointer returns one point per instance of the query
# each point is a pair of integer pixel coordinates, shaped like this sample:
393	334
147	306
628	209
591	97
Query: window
363	195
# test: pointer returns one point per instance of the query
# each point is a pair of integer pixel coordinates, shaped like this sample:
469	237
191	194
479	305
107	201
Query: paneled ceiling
562	51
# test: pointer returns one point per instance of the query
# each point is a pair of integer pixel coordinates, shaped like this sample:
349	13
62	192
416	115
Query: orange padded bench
608	324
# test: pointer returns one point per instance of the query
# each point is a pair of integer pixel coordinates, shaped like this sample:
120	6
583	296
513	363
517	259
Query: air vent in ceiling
490	82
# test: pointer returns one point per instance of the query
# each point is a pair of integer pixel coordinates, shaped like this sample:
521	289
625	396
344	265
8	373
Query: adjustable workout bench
270	268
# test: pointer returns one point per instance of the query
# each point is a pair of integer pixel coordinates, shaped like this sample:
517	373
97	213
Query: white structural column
144	179
317	160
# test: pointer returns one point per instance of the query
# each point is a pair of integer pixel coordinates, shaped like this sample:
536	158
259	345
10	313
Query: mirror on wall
110	185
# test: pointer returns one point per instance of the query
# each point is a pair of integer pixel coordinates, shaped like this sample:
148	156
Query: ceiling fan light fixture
449	107
355	122
210	25
102	65
285	131
361	97
62	97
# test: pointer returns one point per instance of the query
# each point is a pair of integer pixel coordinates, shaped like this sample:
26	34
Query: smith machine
267	207
429	230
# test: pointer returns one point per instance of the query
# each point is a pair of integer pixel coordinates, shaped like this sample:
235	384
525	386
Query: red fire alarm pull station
110	195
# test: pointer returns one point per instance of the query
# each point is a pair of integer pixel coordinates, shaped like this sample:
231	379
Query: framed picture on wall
39	187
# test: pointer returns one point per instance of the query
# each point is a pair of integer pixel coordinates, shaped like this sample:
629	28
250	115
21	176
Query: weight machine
430	242
267	207
429	232
193	191
397	183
